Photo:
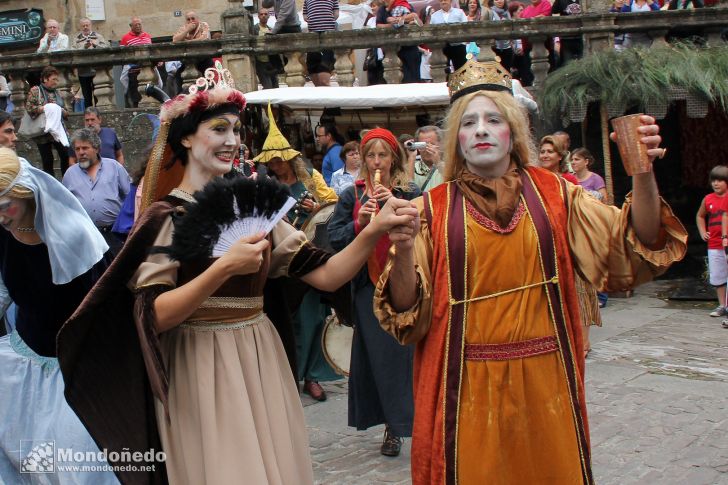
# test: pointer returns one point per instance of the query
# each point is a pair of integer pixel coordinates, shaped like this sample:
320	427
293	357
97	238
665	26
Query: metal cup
632	151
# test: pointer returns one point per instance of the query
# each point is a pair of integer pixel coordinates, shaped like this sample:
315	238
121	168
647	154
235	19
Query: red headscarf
381	134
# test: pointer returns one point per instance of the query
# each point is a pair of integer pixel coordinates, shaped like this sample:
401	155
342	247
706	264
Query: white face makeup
12	212
214	145
484	138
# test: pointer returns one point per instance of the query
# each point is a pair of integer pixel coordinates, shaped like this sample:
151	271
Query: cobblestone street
657	387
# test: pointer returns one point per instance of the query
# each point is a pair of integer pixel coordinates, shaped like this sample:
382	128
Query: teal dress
309	319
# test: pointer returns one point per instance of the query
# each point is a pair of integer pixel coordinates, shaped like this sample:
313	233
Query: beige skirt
235	413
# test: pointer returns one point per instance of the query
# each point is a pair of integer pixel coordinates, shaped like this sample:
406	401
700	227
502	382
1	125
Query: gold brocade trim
181	194
553	280
465	328
575	411
213	326
449	329
255	302
151	175
156	283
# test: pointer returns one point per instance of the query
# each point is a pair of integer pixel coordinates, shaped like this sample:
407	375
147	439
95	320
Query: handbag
370	60
30	127
34	127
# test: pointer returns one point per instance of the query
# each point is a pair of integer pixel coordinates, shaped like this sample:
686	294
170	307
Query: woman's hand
245	256
396	212
309	205
366	212
381	193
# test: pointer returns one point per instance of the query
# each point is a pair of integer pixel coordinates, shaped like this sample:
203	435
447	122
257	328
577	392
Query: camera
412	145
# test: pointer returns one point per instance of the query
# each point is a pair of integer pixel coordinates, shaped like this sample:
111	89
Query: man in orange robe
484	285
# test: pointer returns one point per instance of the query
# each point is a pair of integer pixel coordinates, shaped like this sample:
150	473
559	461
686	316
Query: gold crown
214	78
474	76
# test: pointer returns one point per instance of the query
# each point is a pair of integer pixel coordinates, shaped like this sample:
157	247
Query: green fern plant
636	77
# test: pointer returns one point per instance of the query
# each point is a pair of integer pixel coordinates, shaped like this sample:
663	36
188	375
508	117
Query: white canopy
367	97
360	97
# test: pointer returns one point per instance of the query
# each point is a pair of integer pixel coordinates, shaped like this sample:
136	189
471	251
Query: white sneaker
719	312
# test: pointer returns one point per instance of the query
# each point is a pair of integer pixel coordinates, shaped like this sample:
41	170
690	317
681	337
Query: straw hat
276	145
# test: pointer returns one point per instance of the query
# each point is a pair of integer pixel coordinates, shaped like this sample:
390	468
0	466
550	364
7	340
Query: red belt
513	350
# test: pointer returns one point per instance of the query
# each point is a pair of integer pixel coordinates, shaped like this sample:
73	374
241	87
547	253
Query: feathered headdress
215	89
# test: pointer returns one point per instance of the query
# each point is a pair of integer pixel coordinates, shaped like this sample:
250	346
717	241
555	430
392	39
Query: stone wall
132	127
158	19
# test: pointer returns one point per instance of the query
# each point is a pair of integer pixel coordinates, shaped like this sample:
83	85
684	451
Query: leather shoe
391	445
314	389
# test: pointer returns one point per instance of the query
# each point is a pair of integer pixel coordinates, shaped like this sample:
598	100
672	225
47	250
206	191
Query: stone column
294	70
392	66
598	42
65	82
17	93
438	63
147	75
189	75
344	68
104	88
242	69
658	38
539	61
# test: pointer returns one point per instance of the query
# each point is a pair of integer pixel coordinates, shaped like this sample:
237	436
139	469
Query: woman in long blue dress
50	256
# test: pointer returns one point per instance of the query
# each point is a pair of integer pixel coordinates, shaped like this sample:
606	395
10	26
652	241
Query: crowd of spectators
281	17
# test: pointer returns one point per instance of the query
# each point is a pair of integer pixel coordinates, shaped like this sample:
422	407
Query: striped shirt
132	39
320	14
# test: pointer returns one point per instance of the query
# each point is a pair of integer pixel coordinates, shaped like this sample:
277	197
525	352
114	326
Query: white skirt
42	441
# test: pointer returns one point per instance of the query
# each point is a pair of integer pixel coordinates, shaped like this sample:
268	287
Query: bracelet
724	236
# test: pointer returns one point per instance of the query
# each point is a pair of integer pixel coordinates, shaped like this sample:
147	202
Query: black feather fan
224	212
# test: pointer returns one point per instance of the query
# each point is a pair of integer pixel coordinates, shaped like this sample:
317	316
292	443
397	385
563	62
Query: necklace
26	229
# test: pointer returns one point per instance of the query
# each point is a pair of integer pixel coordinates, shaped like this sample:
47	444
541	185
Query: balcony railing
238	48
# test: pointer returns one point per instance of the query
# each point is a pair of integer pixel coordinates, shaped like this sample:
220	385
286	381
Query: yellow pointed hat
276	145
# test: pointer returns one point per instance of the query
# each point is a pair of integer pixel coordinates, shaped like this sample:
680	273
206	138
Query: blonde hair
560	148
299	168
9	168
523	151
397	175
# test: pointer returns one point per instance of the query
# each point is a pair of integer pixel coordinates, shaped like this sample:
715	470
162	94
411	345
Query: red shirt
130	38
543	8
714	207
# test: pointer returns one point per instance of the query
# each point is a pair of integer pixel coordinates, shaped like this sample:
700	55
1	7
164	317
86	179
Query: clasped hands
400	219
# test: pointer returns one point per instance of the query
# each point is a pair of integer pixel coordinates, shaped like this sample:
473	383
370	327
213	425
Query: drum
336	344
315	225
